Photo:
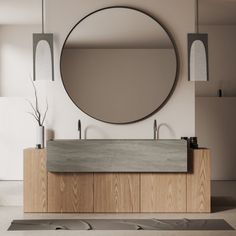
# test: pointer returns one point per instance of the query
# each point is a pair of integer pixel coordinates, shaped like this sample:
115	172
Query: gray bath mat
120	224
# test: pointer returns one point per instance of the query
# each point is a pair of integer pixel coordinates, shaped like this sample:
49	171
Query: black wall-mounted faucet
79	128
155	129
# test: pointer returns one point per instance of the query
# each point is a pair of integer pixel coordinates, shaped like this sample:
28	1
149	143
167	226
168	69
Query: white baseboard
11	193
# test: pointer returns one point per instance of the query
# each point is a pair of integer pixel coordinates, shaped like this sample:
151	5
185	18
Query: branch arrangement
36	113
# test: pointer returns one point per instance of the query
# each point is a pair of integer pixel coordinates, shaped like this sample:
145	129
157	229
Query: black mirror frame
176	55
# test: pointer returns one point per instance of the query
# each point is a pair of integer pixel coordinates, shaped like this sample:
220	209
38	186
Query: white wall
215	128
17	129
215	117
16	126
16	59
222	58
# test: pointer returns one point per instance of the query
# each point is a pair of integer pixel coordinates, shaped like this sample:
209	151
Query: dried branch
36	99
45	112
36	111
34	117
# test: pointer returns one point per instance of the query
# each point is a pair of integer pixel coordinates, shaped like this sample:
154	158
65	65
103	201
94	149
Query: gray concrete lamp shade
198	57
43	60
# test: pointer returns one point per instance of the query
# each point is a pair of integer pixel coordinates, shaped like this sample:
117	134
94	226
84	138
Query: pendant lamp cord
196	16
43	16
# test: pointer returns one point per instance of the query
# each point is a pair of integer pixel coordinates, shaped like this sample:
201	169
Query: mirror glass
119	65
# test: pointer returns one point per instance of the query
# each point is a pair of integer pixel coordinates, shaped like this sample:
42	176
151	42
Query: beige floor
7	214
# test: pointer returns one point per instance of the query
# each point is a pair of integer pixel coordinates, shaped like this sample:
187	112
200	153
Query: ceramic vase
40	137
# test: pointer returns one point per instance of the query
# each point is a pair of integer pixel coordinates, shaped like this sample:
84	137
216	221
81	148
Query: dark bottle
219	93
193	142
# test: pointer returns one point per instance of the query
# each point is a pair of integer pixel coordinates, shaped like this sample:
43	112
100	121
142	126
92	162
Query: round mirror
119	65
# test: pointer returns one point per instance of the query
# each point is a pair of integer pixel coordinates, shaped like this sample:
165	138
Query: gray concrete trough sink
117	155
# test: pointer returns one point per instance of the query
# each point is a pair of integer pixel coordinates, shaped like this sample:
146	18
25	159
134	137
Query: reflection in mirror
118	65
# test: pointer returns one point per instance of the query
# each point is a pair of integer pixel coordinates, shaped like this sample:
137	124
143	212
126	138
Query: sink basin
115	155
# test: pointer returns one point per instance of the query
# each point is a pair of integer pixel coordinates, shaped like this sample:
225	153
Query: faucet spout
155	129
79	128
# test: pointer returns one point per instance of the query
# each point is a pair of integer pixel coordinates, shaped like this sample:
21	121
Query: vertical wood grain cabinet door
116	192
163	192
199	182
35	180
70	192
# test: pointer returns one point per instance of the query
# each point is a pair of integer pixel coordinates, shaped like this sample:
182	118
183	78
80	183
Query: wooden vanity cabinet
175	192
199	181
116	192
35	180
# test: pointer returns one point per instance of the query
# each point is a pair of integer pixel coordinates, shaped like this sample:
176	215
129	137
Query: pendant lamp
43	60
197	53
